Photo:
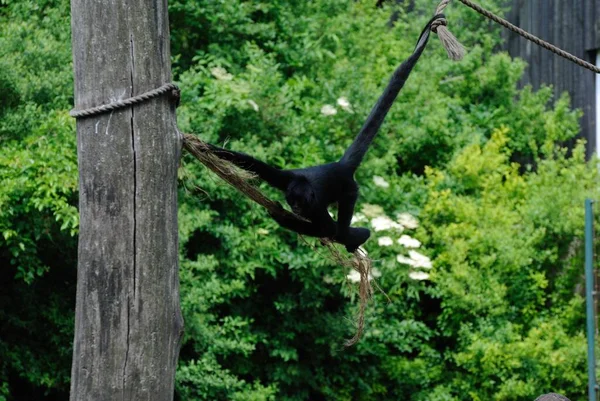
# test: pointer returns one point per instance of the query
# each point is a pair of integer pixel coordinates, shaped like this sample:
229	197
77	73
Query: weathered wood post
128	322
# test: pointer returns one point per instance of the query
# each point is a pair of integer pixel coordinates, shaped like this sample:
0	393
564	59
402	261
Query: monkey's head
301	197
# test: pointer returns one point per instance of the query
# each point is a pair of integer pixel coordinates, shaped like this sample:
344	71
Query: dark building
574	26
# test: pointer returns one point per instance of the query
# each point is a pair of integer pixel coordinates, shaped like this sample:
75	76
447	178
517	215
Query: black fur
309	191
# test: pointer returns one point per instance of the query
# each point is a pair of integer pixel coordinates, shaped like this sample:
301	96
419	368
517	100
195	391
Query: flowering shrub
478	258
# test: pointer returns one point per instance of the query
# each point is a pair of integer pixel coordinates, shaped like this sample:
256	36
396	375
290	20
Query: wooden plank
525	45
596	23
532	54
512	41
128	323
567	25
545	22
589	24
549	73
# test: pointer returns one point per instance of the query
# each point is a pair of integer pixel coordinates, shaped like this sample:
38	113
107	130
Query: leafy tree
38	197
482	280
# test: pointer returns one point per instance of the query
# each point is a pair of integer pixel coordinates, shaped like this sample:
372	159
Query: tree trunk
128	322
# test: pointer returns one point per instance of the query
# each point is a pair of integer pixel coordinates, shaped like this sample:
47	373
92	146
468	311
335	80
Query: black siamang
310	190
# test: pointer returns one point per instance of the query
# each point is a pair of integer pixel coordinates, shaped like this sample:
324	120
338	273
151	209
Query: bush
482	280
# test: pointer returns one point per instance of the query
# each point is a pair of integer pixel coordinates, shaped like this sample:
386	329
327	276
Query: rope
455	50
523	33
230	174
127	102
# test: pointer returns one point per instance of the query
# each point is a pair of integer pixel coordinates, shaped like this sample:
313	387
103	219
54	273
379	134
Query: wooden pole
128	322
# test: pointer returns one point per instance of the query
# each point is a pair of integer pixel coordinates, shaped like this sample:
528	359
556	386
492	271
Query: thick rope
523	33
230	174
127	102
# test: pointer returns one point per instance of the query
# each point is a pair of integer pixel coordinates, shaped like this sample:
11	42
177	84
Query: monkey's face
301	197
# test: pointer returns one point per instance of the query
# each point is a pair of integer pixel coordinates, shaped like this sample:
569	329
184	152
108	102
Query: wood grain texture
572	25
128	322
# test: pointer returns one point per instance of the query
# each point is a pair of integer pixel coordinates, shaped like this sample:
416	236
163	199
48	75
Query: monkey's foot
356	237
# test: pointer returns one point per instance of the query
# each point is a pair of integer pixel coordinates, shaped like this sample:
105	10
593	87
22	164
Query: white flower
420	260
404	260
408	220
372	211
328	110
409	242
262	231
385	241
354	275
253	104
345	104
385	223
357	218
221	73
418	275
380	181
415	259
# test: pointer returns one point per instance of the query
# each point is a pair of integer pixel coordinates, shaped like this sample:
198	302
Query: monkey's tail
355	153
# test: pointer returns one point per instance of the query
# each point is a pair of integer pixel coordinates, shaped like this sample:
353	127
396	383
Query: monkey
309	191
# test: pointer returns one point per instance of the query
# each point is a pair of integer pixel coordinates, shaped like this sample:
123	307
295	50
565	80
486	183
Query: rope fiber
172	88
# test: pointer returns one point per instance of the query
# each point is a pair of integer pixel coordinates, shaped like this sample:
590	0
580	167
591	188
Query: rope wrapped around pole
170	88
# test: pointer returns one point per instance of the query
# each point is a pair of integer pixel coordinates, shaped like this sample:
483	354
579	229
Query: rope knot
455	50
437	23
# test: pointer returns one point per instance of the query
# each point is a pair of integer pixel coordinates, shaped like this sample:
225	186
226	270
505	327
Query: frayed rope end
455	50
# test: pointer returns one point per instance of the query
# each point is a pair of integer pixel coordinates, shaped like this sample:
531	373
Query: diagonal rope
127	102
523	33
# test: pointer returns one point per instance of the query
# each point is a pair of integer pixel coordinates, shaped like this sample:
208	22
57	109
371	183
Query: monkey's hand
355	237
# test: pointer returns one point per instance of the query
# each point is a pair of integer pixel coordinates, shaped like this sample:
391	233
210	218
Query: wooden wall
573	25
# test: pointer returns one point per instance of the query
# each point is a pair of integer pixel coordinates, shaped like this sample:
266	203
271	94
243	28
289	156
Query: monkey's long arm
354	155
275	177
351	237
345	212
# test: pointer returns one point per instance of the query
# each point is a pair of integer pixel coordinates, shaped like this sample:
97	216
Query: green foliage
38	198
483	306
502	238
